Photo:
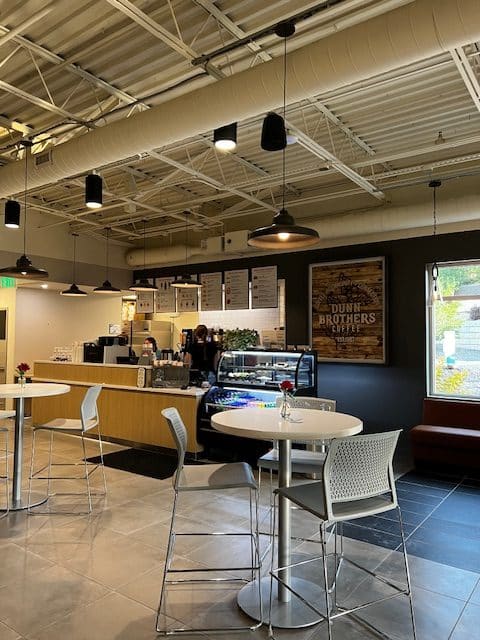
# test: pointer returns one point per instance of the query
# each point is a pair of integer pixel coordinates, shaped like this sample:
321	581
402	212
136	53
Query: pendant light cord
25	203
74	255
284	113
186	240
107	230
144	242
434	212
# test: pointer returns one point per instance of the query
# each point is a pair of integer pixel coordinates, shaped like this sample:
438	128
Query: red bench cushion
446	437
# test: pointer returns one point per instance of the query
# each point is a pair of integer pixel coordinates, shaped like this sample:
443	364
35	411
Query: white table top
32	390
266	424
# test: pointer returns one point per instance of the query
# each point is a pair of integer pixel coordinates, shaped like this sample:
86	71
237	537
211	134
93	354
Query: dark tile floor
441	517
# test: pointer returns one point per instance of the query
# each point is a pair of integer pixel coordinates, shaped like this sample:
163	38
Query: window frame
430	326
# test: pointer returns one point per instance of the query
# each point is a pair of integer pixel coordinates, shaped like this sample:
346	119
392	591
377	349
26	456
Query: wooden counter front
127	413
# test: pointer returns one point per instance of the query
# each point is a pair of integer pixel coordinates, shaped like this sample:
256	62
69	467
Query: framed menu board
187	299
264	287
236	289
165	296
211	293
145	301
347	310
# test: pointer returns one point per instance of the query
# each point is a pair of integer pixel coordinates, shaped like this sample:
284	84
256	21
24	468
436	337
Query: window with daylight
453	322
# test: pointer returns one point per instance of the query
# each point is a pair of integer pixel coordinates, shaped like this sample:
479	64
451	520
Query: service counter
128	414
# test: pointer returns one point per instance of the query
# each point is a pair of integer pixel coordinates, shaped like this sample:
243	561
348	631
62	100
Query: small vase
21	381
285	407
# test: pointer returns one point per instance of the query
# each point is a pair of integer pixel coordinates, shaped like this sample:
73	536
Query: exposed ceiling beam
467	73
320	151
142	19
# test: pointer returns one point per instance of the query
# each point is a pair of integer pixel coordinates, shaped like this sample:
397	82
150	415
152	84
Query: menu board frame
165	289
212	287
237	289
264	284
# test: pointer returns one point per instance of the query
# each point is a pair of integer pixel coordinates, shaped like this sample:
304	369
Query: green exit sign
7	283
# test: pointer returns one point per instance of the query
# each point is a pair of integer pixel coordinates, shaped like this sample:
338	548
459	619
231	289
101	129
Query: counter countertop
91	364
191	391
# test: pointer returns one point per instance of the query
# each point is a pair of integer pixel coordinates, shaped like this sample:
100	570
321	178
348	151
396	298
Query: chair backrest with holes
179	435
358	468
88	408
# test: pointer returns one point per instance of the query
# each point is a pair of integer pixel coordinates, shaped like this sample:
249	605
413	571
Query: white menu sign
165	297
145	302
187	299
264	287
211	295
236	289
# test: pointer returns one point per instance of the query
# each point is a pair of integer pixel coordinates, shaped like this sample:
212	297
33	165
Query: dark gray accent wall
384	396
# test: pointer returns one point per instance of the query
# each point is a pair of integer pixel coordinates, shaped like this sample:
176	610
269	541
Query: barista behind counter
202	354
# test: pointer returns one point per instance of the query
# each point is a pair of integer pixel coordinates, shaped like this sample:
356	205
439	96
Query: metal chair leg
7	500
168	559
323	540
407	572
30	475
87	479
100	445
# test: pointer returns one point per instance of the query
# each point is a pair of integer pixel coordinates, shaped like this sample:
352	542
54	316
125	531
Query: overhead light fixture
107	286
12	214
225	138
24	267
73	291
435	293
282	233
185	281
143	284
93	191
274	134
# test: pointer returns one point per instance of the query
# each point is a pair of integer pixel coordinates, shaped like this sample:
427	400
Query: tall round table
266	424
19	393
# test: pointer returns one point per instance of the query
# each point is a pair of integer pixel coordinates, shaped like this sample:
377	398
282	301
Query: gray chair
5	477
208	477
357	482
309	461
74	426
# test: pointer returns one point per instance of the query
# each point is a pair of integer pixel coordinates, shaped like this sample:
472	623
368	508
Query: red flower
23	367
286	385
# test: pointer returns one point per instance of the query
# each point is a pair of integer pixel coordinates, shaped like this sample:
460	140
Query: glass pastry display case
267	369
251	378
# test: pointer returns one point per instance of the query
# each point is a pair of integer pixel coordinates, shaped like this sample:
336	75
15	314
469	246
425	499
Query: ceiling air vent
45	157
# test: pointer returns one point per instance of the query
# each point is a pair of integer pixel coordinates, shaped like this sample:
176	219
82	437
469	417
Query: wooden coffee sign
347	317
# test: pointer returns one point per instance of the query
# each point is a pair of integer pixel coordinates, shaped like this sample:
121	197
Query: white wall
45	319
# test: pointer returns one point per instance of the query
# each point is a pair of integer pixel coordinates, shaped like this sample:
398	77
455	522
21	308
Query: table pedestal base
285	615
35	499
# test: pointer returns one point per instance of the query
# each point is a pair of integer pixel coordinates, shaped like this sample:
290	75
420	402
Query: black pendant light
225	138
24	267
274	135
12	214
143	284
185	281
73	291
282	233
106	287
93	191
435	293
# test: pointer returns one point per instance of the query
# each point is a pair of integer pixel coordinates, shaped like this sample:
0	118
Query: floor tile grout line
408	536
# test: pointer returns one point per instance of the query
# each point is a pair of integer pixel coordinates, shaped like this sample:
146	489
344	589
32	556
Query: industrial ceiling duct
414	32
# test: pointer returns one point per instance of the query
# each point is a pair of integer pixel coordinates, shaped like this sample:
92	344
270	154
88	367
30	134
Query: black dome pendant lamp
107	286
143	284
24	267
282	233
73	291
